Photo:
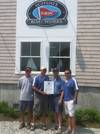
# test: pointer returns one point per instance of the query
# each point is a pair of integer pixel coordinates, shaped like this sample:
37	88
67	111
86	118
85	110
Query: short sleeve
76	84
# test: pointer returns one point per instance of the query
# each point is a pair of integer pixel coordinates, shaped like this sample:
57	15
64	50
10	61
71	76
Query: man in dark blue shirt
70	95
40	97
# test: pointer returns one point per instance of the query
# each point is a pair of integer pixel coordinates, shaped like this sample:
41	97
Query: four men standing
64	91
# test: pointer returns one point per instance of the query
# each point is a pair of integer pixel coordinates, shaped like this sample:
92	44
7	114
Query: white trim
63	33
18	52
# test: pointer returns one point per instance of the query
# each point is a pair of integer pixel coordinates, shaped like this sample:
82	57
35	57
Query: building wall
7	41
88	43
88	52
88	97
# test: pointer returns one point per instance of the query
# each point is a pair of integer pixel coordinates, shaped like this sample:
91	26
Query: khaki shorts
40	105
69	108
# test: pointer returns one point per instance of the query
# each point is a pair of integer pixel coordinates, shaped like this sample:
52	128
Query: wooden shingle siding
7	41
88	43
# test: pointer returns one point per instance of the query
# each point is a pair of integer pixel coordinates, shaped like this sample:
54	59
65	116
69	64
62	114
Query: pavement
12	127
81	130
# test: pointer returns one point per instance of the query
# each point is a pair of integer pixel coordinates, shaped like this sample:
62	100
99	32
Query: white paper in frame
49	87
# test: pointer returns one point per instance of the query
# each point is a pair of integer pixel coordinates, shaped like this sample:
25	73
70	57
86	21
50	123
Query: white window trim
72	42
18	52
44	53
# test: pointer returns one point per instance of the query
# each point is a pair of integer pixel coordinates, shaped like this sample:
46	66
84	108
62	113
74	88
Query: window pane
54	49
65	49
61	63
62	52
25	49
59	49
35	49
34	63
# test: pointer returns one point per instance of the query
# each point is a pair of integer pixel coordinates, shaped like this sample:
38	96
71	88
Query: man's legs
69	110
58	119
30	114
44	111
22	108
73	124
22	117
36	110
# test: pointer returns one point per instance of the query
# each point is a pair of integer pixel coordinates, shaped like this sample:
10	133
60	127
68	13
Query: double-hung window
59	55
30	55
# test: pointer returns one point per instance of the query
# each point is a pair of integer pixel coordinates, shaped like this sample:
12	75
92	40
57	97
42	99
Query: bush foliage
83	116
6	110
89	115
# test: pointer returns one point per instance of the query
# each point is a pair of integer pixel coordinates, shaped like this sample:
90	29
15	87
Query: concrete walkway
8	127
81	130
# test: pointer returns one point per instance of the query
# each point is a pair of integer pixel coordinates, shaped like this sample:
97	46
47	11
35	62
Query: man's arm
38	90
19	85
76	96
61	97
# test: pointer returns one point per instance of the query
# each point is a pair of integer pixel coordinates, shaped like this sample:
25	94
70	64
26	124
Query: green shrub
90	115
83	116
7	110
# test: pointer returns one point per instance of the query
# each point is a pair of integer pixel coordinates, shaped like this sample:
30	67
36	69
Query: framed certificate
49	87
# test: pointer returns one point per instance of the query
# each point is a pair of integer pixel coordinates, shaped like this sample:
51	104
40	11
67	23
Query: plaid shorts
40	105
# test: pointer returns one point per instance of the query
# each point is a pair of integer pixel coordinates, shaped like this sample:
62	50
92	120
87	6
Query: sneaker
32	127
22	125
56	127
59	131
44	127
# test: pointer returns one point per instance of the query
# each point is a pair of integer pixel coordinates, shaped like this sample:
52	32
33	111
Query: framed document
49	87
